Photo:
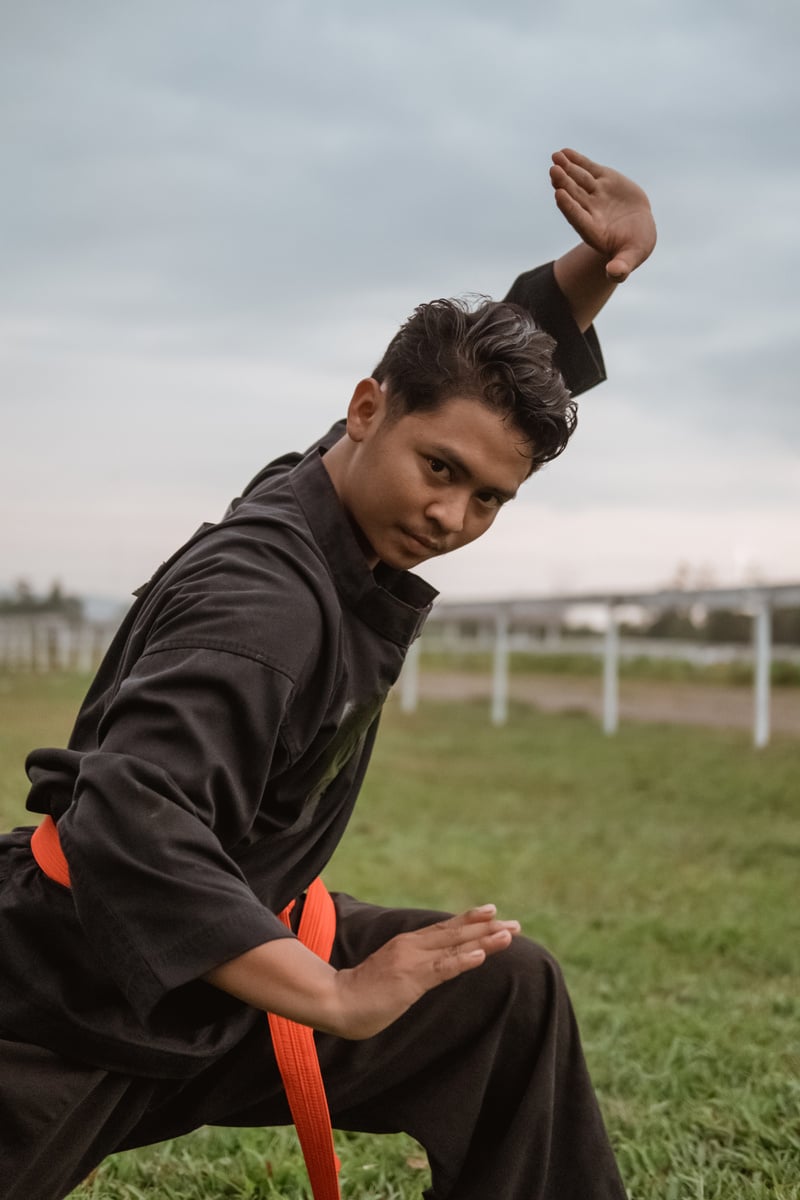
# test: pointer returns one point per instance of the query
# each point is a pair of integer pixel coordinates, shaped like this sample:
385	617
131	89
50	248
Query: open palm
607	210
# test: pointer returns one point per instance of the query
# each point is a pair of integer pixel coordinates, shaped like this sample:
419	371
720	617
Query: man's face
424	484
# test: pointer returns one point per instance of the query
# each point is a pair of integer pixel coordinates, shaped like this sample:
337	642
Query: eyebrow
455	460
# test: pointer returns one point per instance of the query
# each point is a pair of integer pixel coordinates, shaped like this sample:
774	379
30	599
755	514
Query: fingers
575	171
573	162
575	189
569	192
380	989
449	961
477	928
578	216
486	912
490	942
485	915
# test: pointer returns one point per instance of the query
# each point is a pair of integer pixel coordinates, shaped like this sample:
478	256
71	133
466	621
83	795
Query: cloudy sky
215	214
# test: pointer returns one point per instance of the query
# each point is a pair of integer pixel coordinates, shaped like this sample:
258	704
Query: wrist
285	978
580	275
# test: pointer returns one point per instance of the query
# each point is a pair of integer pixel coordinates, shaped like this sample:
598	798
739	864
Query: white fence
507	625
47	642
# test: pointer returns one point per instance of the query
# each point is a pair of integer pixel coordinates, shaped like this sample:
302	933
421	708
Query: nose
448	512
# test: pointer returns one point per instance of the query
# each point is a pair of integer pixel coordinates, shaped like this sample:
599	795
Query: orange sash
293	1044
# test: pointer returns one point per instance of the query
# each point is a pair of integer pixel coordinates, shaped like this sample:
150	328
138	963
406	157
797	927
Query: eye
439	468
489	500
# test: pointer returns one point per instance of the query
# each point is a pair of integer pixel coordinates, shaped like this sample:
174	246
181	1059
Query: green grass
661	866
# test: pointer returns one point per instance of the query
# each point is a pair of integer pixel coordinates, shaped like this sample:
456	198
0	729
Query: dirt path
639	700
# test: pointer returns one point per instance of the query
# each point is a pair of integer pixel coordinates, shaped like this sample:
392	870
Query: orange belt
293	1044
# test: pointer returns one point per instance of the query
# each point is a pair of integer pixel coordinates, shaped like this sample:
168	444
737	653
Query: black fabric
59	1118
579	359
486	1071
209	777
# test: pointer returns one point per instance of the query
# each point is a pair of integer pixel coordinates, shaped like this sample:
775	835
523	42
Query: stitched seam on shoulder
225	647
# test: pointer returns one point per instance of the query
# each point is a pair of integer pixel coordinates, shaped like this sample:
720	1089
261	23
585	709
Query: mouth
425	544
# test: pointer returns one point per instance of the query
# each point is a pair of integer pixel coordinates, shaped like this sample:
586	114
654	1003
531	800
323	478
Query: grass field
661	866
586	665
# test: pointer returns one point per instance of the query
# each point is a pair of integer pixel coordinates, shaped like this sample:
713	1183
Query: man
215	762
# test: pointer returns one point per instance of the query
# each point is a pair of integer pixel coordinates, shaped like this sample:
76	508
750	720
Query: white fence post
611	674
500	674
409	680
762	638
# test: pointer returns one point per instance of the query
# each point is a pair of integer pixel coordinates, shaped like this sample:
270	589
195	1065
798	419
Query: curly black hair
494	353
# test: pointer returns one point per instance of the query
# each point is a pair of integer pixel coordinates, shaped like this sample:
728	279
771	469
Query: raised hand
607	210
381	988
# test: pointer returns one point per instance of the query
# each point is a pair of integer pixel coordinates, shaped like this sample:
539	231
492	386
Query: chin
401	553
401	559
399	562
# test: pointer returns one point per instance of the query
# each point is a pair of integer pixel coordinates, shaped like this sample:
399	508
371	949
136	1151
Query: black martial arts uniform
211	773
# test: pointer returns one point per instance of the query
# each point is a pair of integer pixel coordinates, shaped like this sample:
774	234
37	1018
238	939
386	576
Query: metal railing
505	625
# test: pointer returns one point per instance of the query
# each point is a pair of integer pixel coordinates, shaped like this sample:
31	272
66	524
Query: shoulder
255	585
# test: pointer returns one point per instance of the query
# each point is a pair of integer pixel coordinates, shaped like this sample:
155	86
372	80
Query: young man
214	765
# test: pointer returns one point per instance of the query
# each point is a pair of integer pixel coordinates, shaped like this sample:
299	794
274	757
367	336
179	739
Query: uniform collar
393	603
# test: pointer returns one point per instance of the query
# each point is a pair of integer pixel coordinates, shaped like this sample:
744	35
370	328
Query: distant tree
786	626
23	600
723	625
23	595
671	623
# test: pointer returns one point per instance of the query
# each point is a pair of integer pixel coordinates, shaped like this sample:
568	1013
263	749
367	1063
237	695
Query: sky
214	215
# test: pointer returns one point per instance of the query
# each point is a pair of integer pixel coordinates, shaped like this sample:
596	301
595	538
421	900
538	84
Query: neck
336	462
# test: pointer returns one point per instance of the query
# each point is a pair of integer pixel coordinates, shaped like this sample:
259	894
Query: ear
366	410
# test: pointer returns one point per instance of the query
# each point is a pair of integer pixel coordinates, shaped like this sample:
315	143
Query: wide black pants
486	1071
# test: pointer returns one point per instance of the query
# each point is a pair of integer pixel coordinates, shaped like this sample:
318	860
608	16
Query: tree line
22	600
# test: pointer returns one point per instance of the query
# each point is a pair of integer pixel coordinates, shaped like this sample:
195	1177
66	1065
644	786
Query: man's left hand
610	212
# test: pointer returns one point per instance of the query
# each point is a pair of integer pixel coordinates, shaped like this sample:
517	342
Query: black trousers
486	1071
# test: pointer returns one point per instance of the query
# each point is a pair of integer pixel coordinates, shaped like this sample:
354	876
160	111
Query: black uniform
210	775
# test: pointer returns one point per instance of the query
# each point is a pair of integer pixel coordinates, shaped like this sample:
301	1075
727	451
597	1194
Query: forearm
581	276
285	978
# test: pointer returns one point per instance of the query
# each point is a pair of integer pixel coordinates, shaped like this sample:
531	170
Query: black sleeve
578	355
185	752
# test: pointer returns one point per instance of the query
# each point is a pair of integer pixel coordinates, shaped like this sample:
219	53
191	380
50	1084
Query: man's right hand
387	983
286	978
